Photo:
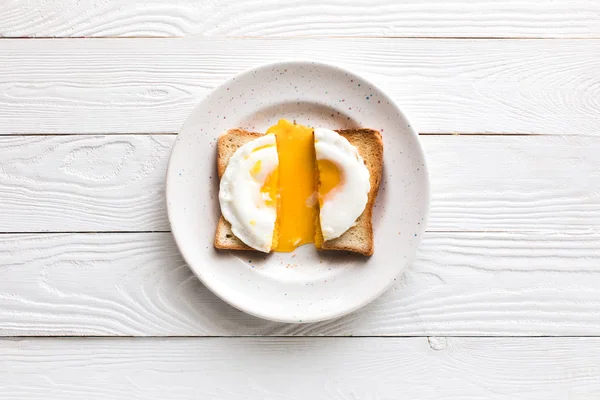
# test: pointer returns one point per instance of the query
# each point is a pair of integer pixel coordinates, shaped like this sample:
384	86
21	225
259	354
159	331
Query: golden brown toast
357	239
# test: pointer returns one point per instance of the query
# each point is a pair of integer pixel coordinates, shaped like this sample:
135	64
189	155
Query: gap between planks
175	133
525	232
269	337
305	37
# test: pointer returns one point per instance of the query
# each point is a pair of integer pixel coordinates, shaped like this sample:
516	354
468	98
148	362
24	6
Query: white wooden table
502	303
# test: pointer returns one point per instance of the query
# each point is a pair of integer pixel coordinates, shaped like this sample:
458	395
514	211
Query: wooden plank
83	183
89	183
276	368
461	284
467	18
151	85
501	183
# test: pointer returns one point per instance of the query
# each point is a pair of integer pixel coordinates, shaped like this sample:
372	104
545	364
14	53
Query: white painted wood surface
513	247
326	368
445	86
468	283
85	183
402	18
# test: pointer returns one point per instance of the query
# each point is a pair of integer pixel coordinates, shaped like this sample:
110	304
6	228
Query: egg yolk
269	189
329	178
297	209
255	170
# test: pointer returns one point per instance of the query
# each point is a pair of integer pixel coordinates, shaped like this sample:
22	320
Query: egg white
347	201
242	203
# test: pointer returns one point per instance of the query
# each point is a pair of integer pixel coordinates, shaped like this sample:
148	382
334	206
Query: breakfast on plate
296	185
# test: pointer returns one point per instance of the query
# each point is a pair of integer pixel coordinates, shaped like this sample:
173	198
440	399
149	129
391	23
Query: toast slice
357	239
228	144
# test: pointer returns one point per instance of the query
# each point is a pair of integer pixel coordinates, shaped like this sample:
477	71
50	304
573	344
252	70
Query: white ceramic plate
304	286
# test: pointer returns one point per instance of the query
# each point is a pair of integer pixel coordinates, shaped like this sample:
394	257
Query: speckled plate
306	285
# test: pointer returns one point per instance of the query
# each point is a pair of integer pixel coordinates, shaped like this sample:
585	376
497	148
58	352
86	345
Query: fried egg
293	186
248	193
343	183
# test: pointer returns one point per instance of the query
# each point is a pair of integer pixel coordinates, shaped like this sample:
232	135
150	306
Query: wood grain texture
83	183
465	18
87	183
502	183
327	368
461	284
151	85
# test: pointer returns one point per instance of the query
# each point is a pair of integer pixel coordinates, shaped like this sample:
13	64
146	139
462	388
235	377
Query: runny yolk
297	184
264	146
329	178
269	189
256	168
269	194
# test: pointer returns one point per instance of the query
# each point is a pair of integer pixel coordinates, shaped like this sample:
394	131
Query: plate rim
325	315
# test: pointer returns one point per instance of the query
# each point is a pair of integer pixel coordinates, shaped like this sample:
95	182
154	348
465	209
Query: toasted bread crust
225	239
357	239
228	143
